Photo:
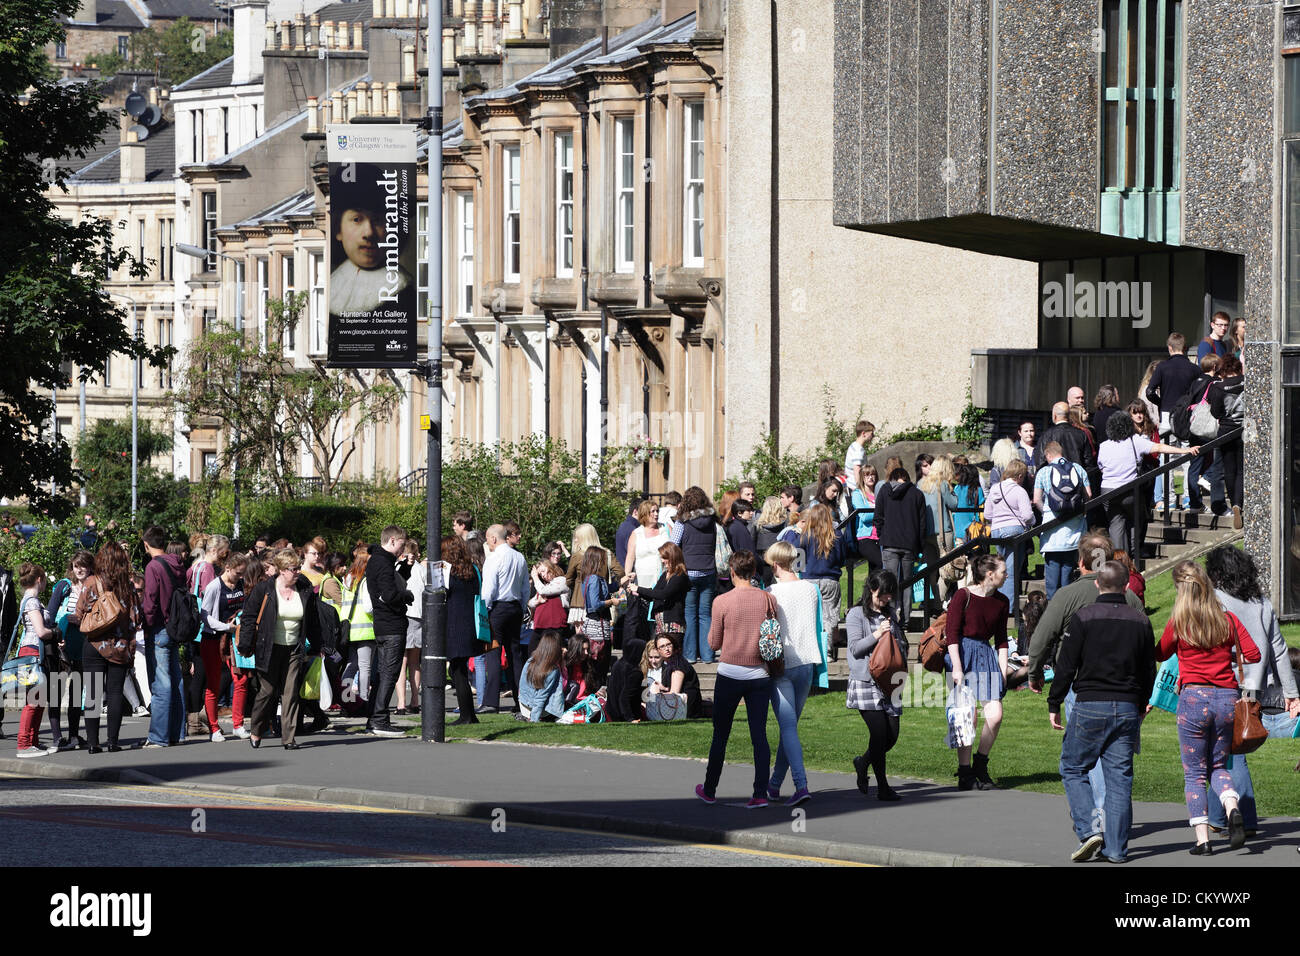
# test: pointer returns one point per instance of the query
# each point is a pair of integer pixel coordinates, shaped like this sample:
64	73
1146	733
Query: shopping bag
311	684
1165	693
589	710
961	717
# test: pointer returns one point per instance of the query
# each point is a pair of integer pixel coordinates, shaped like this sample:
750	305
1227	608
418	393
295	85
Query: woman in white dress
642	560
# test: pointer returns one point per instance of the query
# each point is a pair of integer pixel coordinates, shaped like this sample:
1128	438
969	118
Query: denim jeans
1101	733
1058	566
167	718
699	616
1204	734
480	675
727	695
1278	725
1095	776
789	693
1008	588
1206	464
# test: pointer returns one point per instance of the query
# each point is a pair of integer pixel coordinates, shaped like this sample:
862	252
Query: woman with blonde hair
584	537
1004	453
825	552
1205	637
935	482
771	522
644	564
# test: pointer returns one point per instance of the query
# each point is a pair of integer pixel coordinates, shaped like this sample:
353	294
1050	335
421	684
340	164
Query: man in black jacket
1108	657
389	598
900	525
1074	443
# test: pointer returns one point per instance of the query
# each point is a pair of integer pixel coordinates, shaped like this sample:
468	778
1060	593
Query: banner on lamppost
372	287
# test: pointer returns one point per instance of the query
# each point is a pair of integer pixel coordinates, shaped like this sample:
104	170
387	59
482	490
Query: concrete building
1127	145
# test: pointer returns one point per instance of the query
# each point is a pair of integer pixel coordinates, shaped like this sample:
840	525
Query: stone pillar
515	30
449	48
358	41
394	106
408	63
471	27
284	34
313	116
313	31
337	114
300	32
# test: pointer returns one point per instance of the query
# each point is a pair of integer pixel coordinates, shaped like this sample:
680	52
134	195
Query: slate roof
301	203
175	9
114	14
104	165
214	77
625	46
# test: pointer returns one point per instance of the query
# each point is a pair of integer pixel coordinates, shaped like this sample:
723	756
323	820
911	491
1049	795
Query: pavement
651	796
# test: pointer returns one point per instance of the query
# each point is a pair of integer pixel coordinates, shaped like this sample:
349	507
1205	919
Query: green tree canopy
178	52
53	306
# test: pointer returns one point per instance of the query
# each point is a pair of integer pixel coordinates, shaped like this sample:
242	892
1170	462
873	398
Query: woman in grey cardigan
868	623
1236	585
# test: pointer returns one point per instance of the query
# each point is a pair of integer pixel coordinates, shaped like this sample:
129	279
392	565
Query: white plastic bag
961	717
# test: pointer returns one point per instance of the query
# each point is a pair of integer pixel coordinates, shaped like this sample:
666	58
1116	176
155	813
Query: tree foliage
104	460
243	382
53	305
178	52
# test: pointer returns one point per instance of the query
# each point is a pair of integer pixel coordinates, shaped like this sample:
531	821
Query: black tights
459	667
104	683
883	728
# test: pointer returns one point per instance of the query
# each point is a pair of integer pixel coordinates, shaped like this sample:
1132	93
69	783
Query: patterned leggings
1204	736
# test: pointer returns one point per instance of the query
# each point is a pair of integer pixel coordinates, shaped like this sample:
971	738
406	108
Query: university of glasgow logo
343	142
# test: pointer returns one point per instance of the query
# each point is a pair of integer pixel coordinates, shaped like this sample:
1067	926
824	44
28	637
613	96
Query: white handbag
666	707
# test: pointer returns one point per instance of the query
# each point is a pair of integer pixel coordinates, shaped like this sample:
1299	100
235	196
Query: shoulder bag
934	642
1248	732
886	661
101	616
771	645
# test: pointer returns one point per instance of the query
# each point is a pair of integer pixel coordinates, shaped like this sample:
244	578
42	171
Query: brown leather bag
1248	731
886	661
100	617
934	644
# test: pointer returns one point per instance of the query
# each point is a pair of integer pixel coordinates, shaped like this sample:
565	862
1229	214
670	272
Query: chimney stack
251	38
132	153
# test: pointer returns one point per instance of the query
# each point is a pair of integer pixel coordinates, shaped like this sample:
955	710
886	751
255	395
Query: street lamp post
135	405
198	252
433	696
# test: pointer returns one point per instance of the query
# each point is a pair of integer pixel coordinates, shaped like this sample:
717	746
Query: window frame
262	273
316	275
288	286
208	228
692	186
563	207
624	199
512	211
465	252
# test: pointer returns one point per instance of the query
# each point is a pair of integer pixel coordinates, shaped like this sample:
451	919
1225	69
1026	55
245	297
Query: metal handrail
1028	534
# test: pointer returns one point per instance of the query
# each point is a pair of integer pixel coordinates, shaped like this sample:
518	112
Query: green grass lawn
1026	754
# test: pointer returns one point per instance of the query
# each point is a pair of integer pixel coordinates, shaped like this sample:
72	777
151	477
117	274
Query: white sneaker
218	737
34	752
242	732
141	711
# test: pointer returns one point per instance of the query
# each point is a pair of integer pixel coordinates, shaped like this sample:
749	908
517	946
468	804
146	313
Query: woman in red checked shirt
1205	637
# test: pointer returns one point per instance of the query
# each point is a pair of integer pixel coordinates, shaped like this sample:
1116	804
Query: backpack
1064	493
330	626
183	621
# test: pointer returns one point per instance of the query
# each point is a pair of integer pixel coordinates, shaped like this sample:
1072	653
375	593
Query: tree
53	306
240	383
179	51
104	460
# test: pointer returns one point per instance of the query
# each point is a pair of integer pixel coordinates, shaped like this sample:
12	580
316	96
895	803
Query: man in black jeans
389	598
505	592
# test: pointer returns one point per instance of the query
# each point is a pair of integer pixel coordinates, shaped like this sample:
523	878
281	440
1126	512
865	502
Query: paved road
88	824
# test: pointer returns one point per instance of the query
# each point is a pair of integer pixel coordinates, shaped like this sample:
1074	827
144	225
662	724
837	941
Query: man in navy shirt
1215	343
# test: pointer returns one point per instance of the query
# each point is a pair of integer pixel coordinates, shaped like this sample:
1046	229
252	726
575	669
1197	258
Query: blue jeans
699	616
789	693
480	677
1095	776
1213	472
1057	568
1101	733
167	714
1008	588
1279	726
149	664
727	695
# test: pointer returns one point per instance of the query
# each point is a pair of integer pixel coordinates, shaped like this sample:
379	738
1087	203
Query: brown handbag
886	661
1248	731
101	618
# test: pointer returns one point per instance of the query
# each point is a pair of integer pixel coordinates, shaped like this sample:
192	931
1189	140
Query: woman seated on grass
541	696
576	670
677	675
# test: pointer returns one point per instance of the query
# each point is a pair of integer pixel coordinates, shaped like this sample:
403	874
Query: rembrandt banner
372	245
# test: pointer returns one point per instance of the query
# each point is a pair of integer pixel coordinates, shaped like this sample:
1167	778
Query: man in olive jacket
390	598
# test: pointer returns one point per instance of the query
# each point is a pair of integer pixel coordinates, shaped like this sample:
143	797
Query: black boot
965	778
981	770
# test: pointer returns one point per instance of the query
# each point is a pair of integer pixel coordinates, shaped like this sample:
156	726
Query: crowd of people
281	638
